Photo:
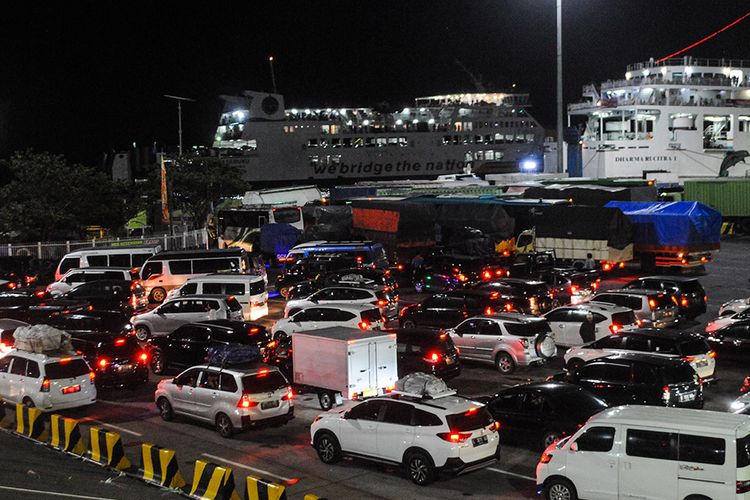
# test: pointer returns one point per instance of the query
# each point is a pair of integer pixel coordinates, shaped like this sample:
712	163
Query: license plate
124	368
449	361
269	404
369	393
71	389
479	441
687	397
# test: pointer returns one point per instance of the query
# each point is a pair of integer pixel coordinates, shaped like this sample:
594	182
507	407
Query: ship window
381	141
744	123
488	138
479	155
456	139
336	160
313	160
467	139
529	137
447	140
468	126
369	142
324	129
499	139
312	143
403	142
393	141
489	155
335	129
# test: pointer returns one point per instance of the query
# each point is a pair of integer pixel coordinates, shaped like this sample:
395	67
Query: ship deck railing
685	82
692	61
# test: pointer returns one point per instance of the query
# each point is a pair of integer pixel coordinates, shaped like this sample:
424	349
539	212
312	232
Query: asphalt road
283	453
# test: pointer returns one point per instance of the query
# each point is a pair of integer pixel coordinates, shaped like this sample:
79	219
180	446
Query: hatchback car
426	351
689	347
651	308
507	340
49	383
364	317
381	297
689	293
228	398
542	412
731	341
118	361
188	345
577	325
521	295
448	434
179	311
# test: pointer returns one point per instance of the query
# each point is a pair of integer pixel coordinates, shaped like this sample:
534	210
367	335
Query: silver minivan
652	308
231	399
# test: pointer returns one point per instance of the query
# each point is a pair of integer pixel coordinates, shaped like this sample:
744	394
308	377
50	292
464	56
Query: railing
692	61
693	80
56	250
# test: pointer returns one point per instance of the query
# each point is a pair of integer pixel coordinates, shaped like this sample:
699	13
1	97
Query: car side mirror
574	446
346	415
453	331
314	301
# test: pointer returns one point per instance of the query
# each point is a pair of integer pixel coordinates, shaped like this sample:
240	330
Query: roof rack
424	397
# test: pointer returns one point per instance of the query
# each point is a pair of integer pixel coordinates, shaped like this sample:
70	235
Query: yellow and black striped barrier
310	496
66	435
159	467
260	489
212	482
105	448
29	423
727	228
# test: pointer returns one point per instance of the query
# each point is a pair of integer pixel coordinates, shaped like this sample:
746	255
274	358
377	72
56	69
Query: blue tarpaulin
687	225
277	239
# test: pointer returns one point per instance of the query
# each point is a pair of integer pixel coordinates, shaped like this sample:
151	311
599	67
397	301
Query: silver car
231	399
182	310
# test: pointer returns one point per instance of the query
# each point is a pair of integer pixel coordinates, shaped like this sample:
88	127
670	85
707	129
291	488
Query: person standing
588	329
589	264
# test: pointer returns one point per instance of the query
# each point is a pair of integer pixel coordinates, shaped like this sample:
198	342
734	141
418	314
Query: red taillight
363	325
711	354
594	285
689	359
382	302
119	342
621	265
288	396
400	267
487	275
65	360
253	330
614	328
45	385
103	362
271	344
573	289
359	260
489	311
494	295
508	307
607	266
545	459
638	322
462	277
470	411
743	486
496	425
39	293
652	304
143	357
683	301
666	394
432	357
246	402
454	437
263	372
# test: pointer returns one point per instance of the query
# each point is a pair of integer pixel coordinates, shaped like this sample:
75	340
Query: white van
167	270
248	289
651	452
128	257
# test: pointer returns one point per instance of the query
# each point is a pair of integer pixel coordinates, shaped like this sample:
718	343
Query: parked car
521	295
7	328
248	289
229	398
506	340
689	347
15	304
690	295
381	297
732	340
444	272
364	317
734	306
176	312
104	295
651	308
635	378
541	413
446	310
117	361
48	382
728	320
359	277
427	351
188	345
86	322
455	435
570	286
650	452
78	276
583	323
308	268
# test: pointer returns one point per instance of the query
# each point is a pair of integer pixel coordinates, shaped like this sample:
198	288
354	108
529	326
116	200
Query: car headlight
737	405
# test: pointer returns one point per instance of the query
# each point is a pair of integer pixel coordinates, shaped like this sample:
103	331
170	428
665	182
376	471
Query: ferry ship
442	134
669	120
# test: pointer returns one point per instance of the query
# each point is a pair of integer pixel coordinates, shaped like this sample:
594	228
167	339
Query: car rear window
257	287
693	347
678	374
660	301
691	287
623	318
470	420
233	304
530	329
743	451
371	315
263	382
70	369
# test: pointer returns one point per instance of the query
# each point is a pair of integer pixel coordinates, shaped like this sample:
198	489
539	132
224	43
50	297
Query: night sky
83	78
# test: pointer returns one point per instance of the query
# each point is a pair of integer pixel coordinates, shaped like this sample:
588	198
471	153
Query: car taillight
614	328
39	293
382	302
683	301
246	402
545	458
454	437
288	396
745	385
743	486
651	304
638	322
487	275
432	357
143	357
119	342
607	266
103	362
573	289
508	307
489	311
92	377
363	325
711	354
462	277
400	267
674	299
666	394
594	285
689	359
45	385
705	298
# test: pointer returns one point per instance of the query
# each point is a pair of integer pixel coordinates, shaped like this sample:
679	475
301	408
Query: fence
56	250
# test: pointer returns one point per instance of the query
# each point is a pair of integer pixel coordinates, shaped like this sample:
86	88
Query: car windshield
582	403
678	374
693	347
660	301
67	369
267	381
371	315
530	329
623	318
470	420
691	287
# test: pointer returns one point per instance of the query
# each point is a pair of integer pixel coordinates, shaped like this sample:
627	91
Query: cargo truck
728	195
343	363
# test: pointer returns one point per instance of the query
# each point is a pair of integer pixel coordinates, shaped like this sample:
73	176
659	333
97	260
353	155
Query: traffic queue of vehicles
341	297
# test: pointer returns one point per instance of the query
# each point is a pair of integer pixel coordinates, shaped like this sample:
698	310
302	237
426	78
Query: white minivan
248	289
650	452
128	257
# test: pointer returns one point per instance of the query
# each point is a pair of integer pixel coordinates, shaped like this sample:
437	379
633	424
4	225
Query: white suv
47	382
571	325
364	317
379	297
448	433
506	340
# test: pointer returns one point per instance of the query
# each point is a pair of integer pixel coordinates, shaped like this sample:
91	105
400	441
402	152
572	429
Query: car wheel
550	437
504	363
279	336
408	324
224	426
142	333
574	364
328	448
560	489
165	409
158	295
158	363
284	291
420	468
326	400
28	403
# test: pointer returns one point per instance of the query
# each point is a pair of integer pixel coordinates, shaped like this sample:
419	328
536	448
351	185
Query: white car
567	322
734	306
691	347
446	434
727	320
381	298
176	312
75	277
364	317
49	383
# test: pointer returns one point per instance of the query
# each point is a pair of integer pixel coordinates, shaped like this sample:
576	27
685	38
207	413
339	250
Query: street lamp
179	114
559	90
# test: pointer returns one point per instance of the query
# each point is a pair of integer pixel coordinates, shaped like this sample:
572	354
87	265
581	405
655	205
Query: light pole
560	141
273	76
179	115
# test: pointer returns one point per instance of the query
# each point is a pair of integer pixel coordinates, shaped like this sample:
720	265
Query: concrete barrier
213	482
66	435
105	448
261	489
29	423
159	466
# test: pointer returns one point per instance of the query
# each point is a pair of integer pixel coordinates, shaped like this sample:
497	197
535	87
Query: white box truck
344	363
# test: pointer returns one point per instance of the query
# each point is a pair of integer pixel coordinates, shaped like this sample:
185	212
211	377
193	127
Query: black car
732	341
570	286
542	412
310	268
188	345
15	304
85	322
642	379
103	295
688	292
117	360
446	310
358	277
426	351
520	295
453	271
